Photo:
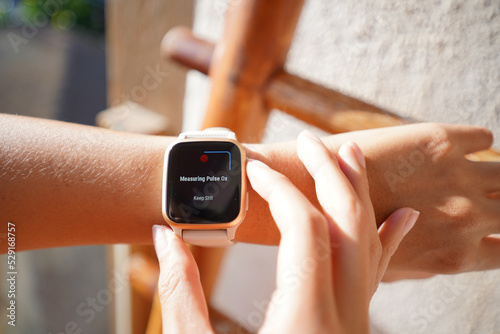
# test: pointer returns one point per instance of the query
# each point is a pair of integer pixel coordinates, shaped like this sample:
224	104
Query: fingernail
410	222
311	135
357	151
160	240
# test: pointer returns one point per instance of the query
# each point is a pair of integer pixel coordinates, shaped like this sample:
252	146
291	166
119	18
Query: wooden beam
325	108
256	40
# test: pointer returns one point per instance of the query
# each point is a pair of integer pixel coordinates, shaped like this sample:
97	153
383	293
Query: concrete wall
429	60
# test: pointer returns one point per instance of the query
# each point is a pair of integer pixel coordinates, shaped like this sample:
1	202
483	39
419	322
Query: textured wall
430	60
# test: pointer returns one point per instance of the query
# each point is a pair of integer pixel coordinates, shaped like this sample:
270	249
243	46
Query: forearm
259	226
64	184
383	149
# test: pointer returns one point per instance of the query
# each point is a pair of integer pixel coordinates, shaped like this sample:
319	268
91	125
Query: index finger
336	194
305	245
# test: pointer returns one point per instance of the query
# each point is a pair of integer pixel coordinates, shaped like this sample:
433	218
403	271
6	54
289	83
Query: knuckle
461	216
377	252
168	284
486	134
173	279
308	223
280	178
316	223
439	142
352	207
389	250
320	168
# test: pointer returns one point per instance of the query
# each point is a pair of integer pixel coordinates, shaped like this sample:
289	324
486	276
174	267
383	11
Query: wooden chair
249	80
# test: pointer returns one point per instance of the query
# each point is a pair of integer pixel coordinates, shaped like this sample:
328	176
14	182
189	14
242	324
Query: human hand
329	263
424	166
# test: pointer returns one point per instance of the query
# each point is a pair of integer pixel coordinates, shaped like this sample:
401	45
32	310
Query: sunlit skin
330	261
64	184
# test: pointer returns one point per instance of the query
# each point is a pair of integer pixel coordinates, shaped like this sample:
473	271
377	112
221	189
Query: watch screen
204	182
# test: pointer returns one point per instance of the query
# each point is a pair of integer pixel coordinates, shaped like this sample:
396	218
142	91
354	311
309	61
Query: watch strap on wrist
209	133
207	238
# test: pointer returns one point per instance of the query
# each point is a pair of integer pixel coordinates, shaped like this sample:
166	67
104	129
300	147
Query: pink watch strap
208	238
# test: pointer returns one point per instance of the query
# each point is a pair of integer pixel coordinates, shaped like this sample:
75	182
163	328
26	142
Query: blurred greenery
60	14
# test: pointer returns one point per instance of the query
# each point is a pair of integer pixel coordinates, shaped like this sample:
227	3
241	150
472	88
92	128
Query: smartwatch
204	196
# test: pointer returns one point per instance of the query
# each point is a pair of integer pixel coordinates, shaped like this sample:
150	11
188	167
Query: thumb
391	233
183	305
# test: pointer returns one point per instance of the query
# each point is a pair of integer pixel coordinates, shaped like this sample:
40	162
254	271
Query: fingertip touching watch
204	196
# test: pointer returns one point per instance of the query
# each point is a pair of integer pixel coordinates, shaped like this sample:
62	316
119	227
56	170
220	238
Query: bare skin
329	262
65	184
455	195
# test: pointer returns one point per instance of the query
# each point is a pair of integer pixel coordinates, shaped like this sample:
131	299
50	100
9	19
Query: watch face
204	182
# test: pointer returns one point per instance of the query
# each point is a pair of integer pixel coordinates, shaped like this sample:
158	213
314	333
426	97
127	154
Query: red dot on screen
204	158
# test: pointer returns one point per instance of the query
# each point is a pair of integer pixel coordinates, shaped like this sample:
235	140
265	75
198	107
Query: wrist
204	187
259	226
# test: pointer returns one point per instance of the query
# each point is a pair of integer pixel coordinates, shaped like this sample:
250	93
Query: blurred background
69	59
55	52
53	65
